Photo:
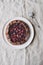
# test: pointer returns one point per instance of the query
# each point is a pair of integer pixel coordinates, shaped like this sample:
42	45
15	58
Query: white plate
30	38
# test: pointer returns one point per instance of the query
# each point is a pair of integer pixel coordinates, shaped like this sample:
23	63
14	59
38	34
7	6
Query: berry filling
18	32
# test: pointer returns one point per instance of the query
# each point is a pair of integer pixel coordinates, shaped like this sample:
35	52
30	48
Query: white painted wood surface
33	54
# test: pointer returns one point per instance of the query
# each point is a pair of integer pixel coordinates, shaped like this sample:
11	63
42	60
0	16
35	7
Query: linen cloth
33	54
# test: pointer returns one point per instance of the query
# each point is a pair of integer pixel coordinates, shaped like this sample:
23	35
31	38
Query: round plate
31	35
